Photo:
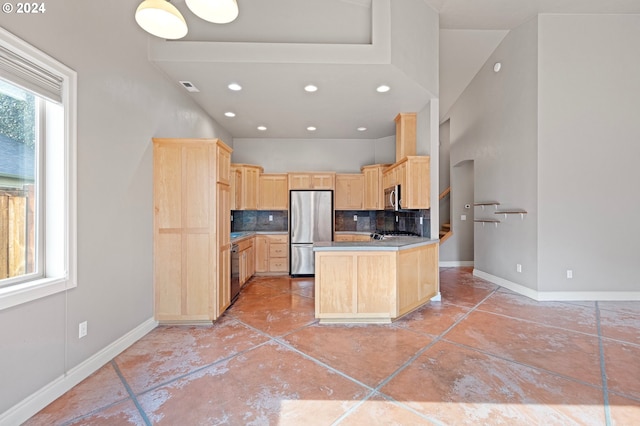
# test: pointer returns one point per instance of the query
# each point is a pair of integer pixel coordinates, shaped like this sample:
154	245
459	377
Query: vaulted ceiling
326	39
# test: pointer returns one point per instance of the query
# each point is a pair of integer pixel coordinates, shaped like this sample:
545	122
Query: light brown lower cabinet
272	254
374	286
246	260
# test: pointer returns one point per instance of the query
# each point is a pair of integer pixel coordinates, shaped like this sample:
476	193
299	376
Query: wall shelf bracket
485	221
486	203
512	211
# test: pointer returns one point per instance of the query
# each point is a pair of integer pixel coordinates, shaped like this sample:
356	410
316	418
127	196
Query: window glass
38	120
19	147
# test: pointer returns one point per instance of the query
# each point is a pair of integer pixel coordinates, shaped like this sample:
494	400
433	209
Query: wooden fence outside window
17	231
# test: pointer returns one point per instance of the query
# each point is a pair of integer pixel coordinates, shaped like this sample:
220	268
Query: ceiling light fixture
216	11
229	114
262	128
310	88
362	129
311	129
161	19
383	88
497	66
235	87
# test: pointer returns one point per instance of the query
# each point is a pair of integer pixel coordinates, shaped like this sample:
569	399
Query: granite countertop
239	235
391	244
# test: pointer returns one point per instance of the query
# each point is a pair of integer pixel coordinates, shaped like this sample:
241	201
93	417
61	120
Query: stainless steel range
385	235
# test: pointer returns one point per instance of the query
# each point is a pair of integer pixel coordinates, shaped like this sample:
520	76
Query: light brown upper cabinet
412	174
349	194
405	135
312	180
373	186
273	192
246	179
191	235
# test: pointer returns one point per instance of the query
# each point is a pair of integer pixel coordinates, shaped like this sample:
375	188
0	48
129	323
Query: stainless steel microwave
392	198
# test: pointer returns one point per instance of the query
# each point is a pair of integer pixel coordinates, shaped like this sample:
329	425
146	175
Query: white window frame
60	193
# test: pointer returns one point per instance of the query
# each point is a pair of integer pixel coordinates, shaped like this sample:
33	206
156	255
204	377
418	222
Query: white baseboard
559	296
35	402
518	288
453	264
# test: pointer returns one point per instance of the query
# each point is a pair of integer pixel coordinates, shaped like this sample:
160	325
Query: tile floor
482	356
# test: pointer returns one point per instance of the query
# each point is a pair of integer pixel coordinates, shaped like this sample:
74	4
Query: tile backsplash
258	220
368	221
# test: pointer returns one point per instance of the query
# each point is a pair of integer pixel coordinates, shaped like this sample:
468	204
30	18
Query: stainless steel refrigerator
310	221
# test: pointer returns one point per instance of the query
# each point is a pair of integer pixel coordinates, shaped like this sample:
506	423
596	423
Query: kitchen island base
360	285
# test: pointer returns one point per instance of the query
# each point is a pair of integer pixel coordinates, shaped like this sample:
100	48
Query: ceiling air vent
189	86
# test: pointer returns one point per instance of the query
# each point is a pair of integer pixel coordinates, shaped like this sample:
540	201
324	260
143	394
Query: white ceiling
273	93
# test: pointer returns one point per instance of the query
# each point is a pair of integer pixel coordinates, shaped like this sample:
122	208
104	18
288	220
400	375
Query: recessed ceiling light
311	129
383	88
310	88
497	66
229	114
235	87
362	129
262	128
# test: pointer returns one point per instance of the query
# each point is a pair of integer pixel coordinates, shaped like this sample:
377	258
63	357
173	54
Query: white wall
494	124
589	133
460	246
385	150
123	101
340	155
411	21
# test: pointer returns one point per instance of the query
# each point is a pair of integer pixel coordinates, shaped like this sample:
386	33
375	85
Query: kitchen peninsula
374	281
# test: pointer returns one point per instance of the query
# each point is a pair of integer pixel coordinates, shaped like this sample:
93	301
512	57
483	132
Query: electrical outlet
463	217
569	273
355	217
270	218
518	267
82	329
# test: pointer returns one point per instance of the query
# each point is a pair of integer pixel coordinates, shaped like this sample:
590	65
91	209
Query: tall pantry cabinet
192	247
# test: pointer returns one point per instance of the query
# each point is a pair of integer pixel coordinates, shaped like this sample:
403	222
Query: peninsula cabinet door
356	285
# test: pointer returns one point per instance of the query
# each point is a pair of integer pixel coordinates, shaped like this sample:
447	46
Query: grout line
278	340
430	345
513	361
75	420
624	342
539	323
603	372
201	368
131	394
